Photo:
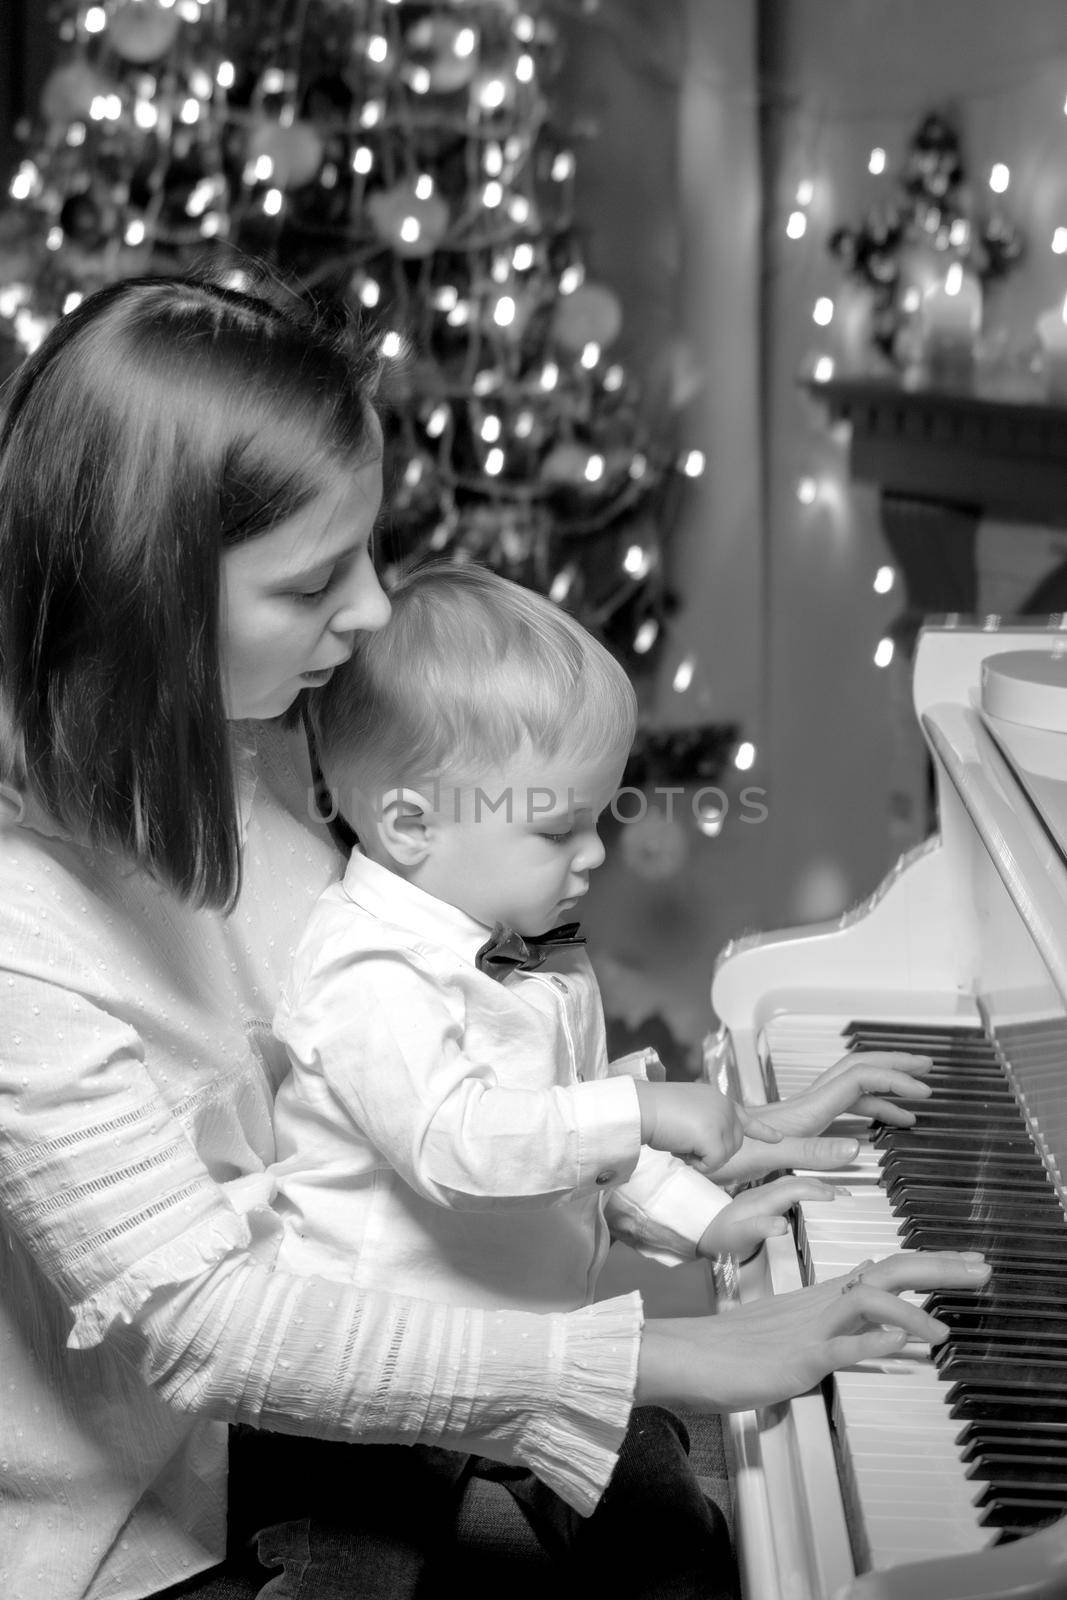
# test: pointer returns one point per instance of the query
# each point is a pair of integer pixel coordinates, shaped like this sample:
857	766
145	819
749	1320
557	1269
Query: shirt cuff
574	1442
608	1119
667	1222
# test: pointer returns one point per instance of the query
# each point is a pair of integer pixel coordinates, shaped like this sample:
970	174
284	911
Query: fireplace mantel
1003	458
941	460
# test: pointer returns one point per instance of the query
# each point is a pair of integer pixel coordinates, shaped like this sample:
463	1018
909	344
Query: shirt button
604	1177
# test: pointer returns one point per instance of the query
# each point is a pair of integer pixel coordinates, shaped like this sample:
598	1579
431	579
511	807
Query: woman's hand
857	1084
769	1350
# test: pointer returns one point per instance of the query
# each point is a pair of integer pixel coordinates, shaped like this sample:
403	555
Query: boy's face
519	847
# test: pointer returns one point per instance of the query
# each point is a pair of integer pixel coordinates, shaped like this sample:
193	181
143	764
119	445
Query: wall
843	767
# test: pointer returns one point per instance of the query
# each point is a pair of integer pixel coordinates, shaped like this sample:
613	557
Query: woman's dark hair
162	420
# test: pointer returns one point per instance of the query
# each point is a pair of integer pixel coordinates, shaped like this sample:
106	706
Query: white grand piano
941	1475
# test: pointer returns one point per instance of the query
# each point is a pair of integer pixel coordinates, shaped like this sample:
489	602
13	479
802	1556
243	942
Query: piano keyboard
952	1450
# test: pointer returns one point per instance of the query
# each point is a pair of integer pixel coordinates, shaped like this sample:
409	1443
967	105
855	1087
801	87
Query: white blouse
139	1309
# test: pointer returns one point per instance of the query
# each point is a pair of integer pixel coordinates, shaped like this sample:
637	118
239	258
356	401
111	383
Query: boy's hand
697	1123
757	1214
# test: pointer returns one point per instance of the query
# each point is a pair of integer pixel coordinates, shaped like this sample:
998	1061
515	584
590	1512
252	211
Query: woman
189	481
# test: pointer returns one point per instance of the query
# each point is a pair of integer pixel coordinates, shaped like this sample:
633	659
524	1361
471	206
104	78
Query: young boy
451	1126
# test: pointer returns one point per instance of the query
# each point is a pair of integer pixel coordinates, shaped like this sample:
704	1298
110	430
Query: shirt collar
387	895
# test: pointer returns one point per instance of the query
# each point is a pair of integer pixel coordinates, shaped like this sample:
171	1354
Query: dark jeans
312	1520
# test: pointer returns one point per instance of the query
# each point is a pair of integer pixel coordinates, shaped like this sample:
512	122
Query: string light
805	192
683	675
883	654
745	756
876	161
1059	242
797	225
807	491
884	579
646	636
561	585
823	370
823	311
637	562
999	178
492	94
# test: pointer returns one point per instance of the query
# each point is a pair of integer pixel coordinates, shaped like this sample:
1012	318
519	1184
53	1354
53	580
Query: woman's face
293	599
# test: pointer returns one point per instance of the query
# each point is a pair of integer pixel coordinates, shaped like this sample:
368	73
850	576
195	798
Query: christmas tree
408	159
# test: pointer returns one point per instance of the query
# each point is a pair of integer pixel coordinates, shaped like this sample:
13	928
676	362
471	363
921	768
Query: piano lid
1024	707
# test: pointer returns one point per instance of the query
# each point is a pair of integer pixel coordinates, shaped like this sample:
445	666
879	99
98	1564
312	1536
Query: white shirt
445	1133
139	1308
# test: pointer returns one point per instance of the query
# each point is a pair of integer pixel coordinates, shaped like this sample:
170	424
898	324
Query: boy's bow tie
505	950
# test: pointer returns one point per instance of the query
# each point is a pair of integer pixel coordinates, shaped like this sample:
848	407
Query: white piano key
913	1496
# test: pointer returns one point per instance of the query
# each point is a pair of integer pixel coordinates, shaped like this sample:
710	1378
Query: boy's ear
405	826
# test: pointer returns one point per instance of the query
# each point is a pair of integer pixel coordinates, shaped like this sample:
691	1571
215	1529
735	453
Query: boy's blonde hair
468	668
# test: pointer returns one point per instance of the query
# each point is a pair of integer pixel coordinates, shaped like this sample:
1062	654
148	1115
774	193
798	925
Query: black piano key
1018	1288
893	1036
985	1456
1022	1377
996	1247
939	1111
1018	1477
1026	1511
969	1141
1003	1341
962	1318
1008	1428
997	1166
932	1200
1001	1356
960	1186
971	1403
